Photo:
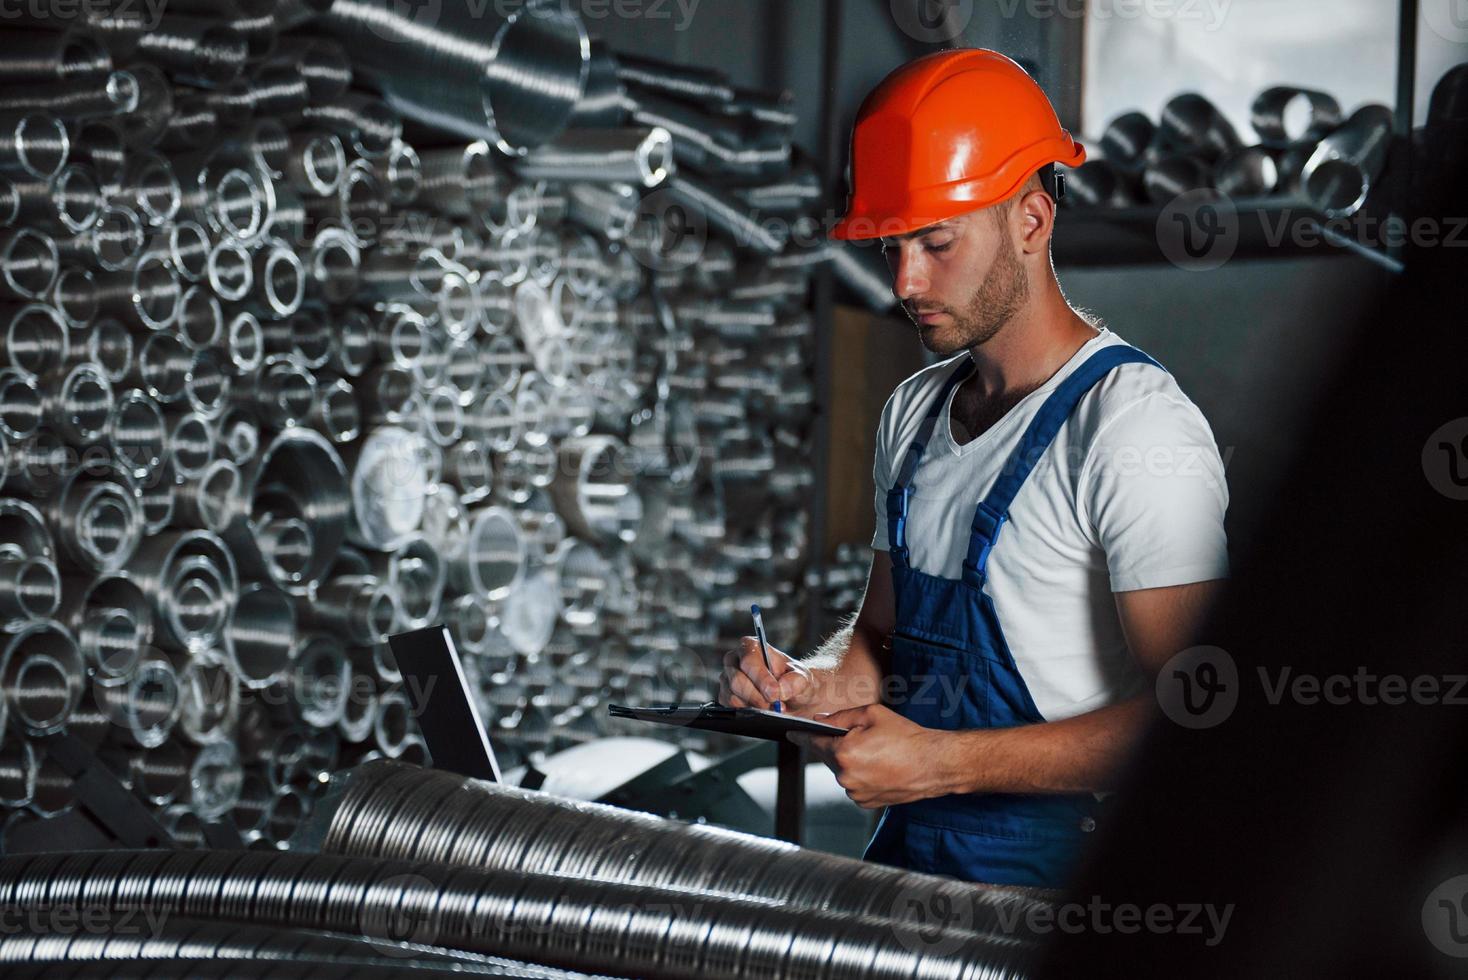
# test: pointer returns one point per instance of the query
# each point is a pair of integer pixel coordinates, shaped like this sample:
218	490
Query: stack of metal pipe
293	356
1305	149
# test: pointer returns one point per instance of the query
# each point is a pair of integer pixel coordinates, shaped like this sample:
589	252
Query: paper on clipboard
749	722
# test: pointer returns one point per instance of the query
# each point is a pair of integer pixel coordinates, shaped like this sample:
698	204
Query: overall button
1088	824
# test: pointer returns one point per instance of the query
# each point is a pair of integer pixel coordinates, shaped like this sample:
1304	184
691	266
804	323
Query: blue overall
953	670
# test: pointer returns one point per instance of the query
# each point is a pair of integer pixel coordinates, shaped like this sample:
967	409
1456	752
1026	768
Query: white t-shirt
1130	495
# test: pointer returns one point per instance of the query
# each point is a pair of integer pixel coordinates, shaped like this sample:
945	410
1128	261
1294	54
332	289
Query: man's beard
999	297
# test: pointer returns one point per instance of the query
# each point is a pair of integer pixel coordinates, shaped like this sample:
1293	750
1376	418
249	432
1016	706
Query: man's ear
1037	220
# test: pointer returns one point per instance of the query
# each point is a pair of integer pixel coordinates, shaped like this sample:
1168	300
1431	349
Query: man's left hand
883	760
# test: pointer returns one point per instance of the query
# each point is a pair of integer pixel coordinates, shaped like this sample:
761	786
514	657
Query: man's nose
909	277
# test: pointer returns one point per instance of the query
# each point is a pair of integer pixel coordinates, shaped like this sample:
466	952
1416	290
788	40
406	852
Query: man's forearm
845	670
1080	754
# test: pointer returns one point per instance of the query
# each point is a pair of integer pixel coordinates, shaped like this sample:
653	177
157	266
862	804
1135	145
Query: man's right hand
745	683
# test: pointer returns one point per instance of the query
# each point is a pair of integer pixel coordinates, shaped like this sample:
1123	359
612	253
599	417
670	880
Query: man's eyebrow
919	233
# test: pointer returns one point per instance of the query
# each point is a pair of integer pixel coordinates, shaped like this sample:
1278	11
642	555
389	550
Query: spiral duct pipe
643	931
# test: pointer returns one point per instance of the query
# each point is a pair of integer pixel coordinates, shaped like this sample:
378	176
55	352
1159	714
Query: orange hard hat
951	132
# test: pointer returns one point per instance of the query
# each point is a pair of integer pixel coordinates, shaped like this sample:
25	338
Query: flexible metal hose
630	930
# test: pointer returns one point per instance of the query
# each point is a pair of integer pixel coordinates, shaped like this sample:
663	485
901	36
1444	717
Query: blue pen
759	632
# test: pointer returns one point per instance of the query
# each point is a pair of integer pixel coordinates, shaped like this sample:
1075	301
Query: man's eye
940	248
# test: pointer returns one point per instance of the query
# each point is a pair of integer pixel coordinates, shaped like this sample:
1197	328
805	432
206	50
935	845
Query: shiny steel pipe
300	475
1192	124
1097	183
239	436
490	561
144	707
316	162
111	620
583	576
17	771
20	406
642	156
187	246
193	126
99	144
390	478
285	391
159	774
416	569
687	82
514	83
142	126
244	344
1172	176
137	434
200	320
113	242
52	55
162	368
153	185
97	516
594	489
199	51
78	403
366	123
114	94
232	103
64	205
209	698
1250	172
262	144
191	441
211	500
464	182
1126	138
230	270
279	90
261	635
279	280
29	263
146	294
192	581
323	63
608	210
37	463
35	340
336	413
400	171
42	677
1285	115
208	388
726	213
158	498
1344	167
30	590
360	608
333	267
351	343
215	779
32	142
233	202
321	678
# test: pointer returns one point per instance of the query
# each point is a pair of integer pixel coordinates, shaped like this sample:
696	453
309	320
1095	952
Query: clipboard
711	716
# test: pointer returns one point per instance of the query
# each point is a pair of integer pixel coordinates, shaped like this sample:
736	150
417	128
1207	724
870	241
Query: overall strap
897	496
993	510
